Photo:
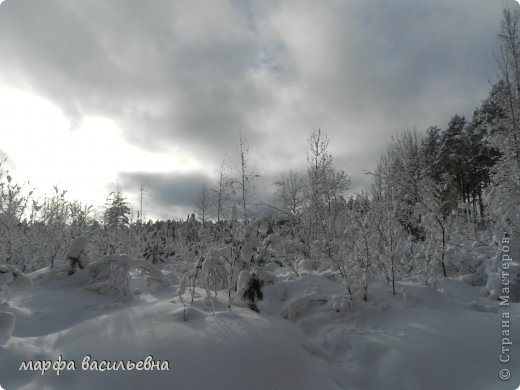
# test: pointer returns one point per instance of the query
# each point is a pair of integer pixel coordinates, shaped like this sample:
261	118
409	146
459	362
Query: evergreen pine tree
117	211
253	292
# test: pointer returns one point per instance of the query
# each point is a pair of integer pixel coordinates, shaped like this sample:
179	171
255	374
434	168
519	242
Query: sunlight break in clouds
54	154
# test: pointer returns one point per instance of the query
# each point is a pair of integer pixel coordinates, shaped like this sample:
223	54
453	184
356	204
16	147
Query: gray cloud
171	71
165	193
191	74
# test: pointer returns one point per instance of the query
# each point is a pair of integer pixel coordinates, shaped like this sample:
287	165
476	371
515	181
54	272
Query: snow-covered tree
55	215
359	241
390	239
14	207
326	187
117	210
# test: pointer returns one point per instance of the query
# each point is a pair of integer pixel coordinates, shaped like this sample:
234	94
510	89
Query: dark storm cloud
174	72
165	189
193	73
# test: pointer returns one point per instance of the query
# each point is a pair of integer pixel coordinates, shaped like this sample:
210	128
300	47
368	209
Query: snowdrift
308	335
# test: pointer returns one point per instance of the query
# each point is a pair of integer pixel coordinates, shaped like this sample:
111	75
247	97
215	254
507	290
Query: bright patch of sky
42	148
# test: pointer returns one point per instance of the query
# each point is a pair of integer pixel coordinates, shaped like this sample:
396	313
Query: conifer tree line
437	198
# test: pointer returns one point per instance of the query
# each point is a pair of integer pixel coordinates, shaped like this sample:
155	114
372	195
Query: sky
100	95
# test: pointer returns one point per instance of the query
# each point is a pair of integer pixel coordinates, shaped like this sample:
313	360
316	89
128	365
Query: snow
306	265
425	338
7	321
12	282
308	335
77	247
243	279
20	285
230	350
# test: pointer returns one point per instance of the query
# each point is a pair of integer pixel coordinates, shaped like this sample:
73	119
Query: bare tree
246	177
317	158
360	233
203	204
222	192
290	192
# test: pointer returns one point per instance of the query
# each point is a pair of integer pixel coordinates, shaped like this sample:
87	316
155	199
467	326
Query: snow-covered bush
214	273
495	280
249	287
77	255
340	304
288	252
298	306
111	275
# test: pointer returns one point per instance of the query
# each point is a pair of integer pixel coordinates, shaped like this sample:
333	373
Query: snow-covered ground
306	336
